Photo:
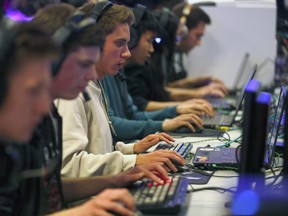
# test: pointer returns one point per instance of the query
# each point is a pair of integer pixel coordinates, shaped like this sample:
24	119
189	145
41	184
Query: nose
43	104
126	53
91	74
198	42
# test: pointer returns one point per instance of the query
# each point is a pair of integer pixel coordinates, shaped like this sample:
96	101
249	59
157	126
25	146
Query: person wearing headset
24	91
87	140
146	81
194	20
30	174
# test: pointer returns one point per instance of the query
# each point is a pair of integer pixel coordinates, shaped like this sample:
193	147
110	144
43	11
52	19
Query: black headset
99	9
139	12
97	12
76	23
164	17
7	36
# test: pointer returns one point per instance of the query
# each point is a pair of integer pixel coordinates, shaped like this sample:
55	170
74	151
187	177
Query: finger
158	173
168	139
174	156
121	195
167	136
170	165
120	209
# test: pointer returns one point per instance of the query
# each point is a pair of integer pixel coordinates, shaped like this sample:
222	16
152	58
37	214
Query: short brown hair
54	16
116	14
23	43
195	16
29	42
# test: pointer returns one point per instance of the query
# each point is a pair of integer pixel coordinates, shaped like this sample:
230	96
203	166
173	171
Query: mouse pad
204	133
196	177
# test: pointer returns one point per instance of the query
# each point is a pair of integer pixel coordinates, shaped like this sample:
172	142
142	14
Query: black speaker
100	8
76	23
7	34
139	11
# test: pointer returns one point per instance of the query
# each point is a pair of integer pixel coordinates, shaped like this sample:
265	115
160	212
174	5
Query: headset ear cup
3	89
133	38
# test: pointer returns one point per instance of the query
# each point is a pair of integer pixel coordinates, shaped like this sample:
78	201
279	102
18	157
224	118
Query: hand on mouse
187	120
118	201
153	171
161	156
196	106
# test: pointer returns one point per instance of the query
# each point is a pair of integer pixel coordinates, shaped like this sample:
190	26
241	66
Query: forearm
179	83
157	105
79	188
178	94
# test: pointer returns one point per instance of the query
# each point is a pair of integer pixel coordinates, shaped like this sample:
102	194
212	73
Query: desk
211	202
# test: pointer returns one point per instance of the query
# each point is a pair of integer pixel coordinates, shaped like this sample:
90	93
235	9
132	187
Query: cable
218	189
227	144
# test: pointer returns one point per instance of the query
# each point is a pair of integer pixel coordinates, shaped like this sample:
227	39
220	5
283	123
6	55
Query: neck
100	73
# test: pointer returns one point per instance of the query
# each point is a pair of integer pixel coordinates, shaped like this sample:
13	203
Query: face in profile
142	52
27	100
75	73
193	38
115	52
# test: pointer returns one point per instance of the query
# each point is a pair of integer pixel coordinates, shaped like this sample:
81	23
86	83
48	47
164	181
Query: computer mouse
184	129
179	167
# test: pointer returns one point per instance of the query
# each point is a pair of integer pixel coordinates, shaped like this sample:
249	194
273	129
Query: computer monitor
255	121
273	132
251	92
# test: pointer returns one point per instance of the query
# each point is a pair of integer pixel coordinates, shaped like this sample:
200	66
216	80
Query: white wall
236	29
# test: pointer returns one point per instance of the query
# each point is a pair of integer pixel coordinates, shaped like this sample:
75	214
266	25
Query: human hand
199	107
165	157
153	171
118	201
188	120
150	140
213	89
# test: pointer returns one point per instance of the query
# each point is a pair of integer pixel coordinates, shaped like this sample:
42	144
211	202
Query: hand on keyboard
164	199
182	148
162	156
153	171
151	140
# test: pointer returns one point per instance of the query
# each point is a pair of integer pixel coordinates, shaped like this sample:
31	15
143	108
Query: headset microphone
121	76
148	62
86	96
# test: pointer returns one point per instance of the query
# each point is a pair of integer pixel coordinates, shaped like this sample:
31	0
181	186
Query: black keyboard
218	119
182	148
220	103
164	199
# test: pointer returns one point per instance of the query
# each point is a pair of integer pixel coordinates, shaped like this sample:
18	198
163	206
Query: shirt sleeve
77	161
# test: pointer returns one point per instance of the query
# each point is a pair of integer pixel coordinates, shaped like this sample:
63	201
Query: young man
194	19
36	187
123	113
148	84
87	139
24	80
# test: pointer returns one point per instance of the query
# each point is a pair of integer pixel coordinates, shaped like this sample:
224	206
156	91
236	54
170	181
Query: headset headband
99	9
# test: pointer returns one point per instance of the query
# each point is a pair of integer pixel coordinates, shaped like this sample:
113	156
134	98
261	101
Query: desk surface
210	202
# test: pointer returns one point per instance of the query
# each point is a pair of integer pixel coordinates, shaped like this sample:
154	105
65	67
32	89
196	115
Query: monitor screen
274	129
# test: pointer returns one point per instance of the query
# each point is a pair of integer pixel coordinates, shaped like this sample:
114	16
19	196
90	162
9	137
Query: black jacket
31	172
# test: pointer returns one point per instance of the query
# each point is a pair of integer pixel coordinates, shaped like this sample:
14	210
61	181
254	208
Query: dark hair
52	17
26	42
168	29
152	4
148	23
195	16
116	14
